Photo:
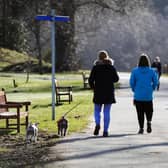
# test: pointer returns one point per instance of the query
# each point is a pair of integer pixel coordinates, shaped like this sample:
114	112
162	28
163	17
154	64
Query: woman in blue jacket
143	82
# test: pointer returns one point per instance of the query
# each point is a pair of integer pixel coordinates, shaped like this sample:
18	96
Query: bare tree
66	42
87	18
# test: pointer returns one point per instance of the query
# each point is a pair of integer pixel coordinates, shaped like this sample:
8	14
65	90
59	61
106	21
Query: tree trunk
69	61
65	45
37	36
3	22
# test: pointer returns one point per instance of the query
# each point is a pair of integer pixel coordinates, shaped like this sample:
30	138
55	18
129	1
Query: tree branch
118	6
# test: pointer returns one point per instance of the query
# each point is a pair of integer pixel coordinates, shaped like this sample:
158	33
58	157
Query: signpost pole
53	18
53	62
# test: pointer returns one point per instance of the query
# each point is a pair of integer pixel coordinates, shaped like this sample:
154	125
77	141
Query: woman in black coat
158	66
102	78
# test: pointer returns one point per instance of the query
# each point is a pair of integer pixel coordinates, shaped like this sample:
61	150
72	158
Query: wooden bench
15	114
85	80
63	93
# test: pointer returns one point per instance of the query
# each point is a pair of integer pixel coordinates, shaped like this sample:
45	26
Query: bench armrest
25	104
10	105
63	87
22	103
67	88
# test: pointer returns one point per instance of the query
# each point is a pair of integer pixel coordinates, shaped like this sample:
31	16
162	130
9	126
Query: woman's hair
103	58
144	61
157	59
103	55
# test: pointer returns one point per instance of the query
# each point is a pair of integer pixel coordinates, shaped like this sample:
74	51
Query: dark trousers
144	108
158	86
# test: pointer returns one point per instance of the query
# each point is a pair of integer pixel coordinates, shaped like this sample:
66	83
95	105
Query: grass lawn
38	91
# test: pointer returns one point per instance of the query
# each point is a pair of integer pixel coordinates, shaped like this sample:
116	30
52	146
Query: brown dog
62	126
63	123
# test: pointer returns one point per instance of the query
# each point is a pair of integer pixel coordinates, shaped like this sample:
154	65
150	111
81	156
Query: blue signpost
53	18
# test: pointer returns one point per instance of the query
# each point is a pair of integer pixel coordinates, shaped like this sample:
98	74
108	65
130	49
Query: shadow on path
107	151
102	152
70	140
92	154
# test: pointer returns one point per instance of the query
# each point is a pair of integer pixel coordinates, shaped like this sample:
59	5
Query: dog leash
72	109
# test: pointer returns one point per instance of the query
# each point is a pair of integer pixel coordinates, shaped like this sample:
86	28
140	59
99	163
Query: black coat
101	80
158	67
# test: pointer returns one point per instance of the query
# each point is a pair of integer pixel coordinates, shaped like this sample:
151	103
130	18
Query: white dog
32	132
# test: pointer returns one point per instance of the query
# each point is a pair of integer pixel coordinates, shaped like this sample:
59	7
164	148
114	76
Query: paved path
124	148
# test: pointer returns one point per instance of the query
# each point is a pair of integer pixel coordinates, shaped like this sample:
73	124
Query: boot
149	129
96	131
105	134
141	131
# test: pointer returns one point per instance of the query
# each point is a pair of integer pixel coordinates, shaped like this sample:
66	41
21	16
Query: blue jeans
106	111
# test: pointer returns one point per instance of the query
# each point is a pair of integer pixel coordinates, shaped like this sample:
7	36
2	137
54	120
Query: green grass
3	149
38	91
44	81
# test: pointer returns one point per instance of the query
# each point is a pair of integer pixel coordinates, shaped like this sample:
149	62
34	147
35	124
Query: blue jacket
143	82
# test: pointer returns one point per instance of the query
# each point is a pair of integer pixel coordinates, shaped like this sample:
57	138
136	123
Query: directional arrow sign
52	18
